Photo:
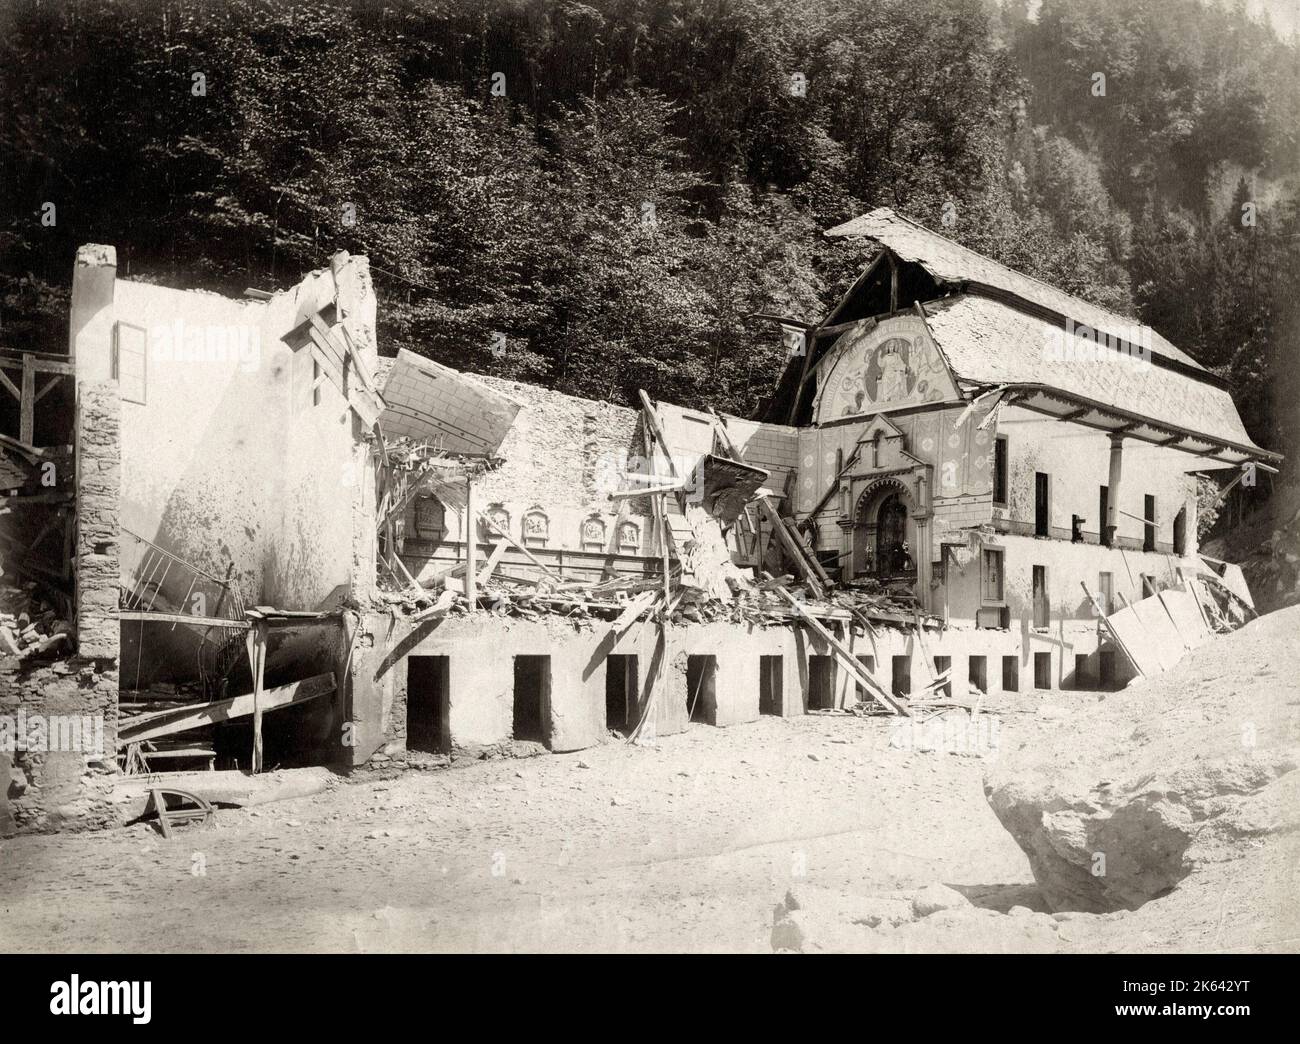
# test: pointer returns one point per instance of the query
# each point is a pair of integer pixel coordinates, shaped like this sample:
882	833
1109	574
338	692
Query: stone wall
99	479
59	789
65	781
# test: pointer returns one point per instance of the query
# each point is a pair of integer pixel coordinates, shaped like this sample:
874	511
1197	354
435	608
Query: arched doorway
891	536
884	533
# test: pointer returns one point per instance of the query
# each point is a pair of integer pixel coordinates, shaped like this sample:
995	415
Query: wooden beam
628	494
652	420
472	542
182	618
519	547
48	387
180	719
7	383
490	566
843	653
256	643
792	547
27	413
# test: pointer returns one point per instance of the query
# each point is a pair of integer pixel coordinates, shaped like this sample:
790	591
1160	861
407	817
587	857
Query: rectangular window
1042	670
1103	513
992	570
1010	674
1080	670
1000	471
1148	585
1106	592
1041	505
1180	531
1042	605
1149	523
1076	529
130	356
977	673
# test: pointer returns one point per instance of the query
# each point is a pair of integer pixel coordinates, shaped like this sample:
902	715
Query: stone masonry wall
65	780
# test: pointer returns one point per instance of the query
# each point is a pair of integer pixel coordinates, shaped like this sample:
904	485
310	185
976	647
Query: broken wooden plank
634	611
792	547
180	719
843	653
490	566
518	546
1101	616
184	618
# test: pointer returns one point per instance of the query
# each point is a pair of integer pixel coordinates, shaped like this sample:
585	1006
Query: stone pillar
99	487
1111	520
90	324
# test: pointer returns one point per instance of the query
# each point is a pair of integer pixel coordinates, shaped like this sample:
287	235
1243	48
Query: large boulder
1116	803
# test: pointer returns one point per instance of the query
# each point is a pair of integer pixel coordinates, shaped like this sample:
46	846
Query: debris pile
32	621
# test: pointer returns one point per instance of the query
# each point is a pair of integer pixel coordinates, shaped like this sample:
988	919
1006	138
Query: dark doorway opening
532	698
771	677
977	673
1103	512
821	682
901	676
701	693
1010	674
1106	668
428	704
1080	670
891	535
1041	514
941	664
1042	670
621	691
868	665
1148	523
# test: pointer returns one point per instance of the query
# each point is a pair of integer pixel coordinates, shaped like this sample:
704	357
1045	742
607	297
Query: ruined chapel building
273	547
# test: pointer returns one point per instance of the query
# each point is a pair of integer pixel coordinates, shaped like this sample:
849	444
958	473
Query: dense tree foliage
617	185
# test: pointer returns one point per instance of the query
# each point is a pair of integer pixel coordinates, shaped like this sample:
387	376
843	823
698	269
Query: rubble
33	621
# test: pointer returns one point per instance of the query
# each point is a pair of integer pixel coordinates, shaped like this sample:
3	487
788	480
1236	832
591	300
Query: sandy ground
683	847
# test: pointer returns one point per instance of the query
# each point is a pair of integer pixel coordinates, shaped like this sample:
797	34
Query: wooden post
471	542
256	642
27	409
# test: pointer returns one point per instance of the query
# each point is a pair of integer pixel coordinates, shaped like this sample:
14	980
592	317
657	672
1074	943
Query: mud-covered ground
683	847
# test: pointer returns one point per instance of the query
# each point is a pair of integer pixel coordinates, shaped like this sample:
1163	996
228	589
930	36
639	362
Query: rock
936	897
1119	803
812	919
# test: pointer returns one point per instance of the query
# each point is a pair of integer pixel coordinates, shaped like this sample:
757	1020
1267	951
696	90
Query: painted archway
884	531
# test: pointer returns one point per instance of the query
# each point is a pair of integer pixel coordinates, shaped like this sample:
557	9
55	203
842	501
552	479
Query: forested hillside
616	184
